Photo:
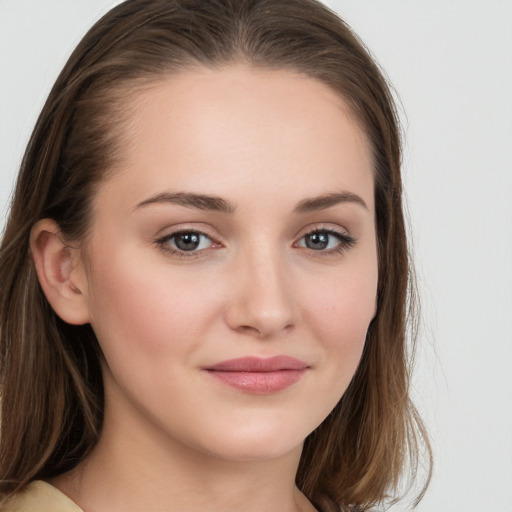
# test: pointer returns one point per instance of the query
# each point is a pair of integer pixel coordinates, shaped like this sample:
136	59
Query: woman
204	272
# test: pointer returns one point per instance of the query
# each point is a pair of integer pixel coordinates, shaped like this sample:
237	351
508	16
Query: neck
132	468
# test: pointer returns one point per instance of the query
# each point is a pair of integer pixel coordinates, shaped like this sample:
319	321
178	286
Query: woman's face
232	265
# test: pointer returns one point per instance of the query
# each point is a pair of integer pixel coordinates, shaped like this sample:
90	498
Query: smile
259	375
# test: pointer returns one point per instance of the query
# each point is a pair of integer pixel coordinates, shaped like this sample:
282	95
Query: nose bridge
263	303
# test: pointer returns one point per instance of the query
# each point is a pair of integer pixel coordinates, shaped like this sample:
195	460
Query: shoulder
40	496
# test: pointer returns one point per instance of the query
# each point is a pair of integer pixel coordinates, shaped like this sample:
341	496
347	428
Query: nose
262	303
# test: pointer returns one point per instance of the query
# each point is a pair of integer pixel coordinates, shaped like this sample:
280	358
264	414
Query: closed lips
256	364
259	375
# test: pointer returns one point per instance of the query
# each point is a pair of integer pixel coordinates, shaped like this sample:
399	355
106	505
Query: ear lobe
60	272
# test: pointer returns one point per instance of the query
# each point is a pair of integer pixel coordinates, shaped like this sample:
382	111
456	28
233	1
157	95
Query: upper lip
259	364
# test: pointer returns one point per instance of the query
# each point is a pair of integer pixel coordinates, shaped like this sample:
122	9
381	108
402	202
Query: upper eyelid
166	238
182	231
169	232
210	232
323	226
213	235
343	237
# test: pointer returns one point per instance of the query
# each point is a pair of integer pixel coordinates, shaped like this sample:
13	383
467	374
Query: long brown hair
50	378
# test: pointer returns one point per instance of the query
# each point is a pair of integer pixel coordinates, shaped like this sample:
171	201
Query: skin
264	141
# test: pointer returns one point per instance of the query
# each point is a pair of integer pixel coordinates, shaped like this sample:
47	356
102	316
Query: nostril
247	329
263	331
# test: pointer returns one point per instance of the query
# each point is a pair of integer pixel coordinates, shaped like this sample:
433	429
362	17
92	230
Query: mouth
259	375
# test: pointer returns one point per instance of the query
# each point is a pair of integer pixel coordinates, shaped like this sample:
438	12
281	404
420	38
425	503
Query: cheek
340	312
340	307
145	311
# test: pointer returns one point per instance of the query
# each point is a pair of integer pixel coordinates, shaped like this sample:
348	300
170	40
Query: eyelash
163	243
345	242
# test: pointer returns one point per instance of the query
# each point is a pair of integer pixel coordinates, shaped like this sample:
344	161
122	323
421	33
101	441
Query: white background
451	63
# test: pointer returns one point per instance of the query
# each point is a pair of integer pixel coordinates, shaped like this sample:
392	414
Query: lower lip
259	382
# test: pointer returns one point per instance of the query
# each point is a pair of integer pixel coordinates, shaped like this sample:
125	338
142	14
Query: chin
256	441
255	451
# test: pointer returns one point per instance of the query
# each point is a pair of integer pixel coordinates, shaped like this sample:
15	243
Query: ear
60	271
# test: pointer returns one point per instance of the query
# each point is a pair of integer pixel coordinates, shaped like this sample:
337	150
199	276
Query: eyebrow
199	201
327	200
218	204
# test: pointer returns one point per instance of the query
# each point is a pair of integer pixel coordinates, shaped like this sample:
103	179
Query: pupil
317	241
187	241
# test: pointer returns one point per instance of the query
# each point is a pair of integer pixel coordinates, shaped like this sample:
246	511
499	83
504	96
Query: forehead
214	130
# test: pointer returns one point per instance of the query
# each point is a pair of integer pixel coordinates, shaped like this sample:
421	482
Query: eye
327	240
185	241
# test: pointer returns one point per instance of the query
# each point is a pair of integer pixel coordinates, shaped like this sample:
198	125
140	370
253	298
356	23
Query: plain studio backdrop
451	65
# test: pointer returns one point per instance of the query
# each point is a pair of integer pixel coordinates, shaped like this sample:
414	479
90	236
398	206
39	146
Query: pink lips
259	375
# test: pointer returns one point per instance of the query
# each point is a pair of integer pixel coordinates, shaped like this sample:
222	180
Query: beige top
40	496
